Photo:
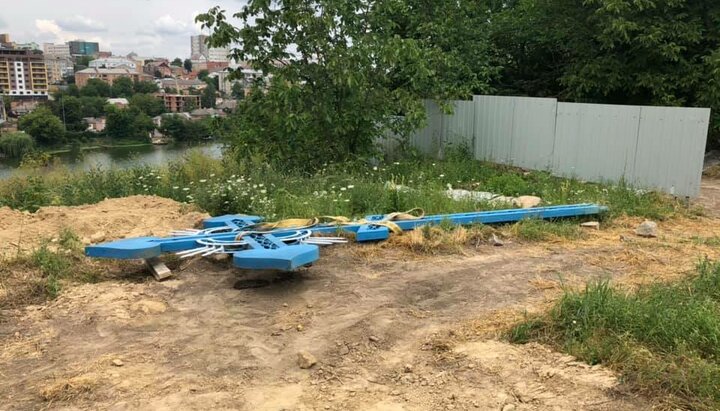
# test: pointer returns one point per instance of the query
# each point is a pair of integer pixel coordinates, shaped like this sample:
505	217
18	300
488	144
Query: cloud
48	26
168	25
81	24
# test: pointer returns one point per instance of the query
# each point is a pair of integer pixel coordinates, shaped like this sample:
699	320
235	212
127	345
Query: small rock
285	304
509	407
306	360
647	229
117	362
408	368
309	306
471	366
344	350
97	237
300	327
395	393
496	241
527	201
594	225
373	338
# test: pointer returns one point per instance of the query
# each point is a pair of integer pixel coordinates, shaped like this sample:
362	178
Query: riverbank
122	155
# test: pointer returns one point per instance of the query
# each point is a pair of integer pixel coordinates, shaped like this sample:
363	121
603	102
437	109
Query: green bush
16	145
663	337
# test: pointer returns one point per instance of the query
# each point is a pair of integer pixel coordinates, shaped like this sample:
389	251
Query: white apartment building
113	62
62	50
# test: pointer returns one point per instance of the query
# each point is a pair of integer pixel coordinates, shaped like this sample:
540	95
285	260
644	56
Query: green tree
181	129
177	62
203	75
189	105
238	91
93	106
146	87
16	145
128	123
43	126
340	72
655	52
208	96
148	104
187	65
123	87
96	88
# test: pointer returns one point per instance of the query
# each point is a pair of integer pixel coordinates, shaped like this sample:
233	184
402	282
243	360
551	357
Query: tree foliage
96	88
656	52
43	126
187	65
16	145
177	62
341	73
208	96
237	91
181	129
145	87
129	123
123	87
148	104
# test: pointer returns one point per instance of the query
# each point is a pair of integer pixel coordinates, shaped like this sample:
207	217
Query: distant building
248	76
5	40
113	62
154	68
104	54
58	68
180	85
23	73
199	47
83	48
59	50
158	120
118	102
175	103
95	125
107	75
201	113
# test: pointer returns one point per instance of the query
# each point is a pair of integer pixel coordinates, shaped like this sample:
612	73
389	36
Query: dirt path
382	334
390	331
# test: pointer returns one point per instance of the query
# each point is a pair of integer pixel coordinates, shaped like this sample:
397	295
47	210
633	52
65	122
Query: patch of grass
350	189
664	339
32	278
541	230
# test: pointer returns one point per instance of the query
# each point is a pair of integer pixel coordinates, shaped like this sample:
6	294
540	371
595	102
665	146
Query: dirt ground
390	329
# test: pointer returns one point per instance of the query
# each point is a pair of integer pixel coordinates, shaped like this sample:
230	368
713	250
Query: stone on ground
647	229
306	360
527	201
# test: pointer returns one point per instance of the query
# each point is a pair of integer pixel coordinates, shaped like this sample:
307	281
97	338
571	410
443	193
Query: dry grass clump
67	389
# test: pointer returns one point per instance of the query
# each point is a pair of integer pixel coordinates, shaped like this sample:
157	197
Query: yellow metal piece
302	223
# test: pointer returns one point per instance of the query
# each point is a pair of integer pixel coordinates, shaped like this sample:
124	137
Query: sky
151	28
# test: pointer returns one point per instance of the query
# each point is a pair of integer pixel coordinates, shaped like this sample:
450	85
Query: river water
121	157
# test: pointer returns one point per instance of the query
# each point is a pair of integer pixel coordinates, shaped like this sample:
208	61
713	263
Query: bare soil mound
110	219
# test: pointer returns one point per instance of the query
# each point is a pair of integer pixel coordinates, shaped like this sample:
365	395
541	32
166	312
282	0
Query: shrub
16	145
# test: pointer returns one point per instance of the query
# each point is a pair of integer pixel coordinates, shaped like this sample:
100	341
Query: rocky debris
509	407
373	338
98	237
522	201
594	225
647	229
306	360
496	241
118	362
344	349
300	327
408	368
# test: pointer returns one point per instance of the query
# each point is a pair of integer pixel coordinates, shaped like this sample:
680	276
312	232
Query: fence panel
649	147
670	152
459	127
533	133
596	142
493	128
